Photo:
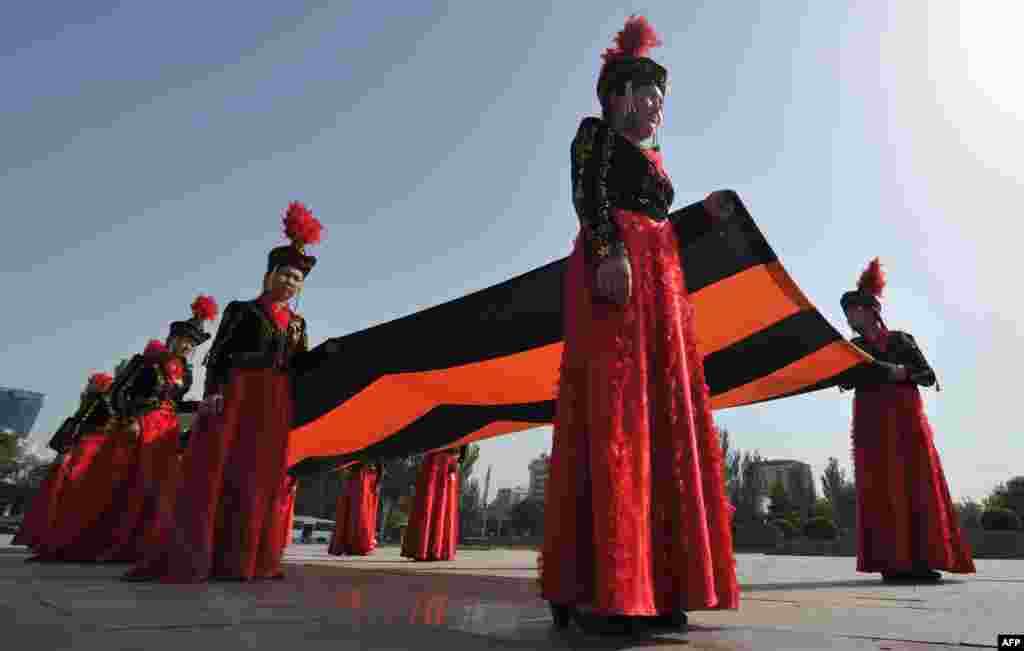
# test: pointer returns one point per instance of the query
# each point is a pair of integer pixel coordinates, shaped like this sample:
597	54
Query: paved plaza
487	599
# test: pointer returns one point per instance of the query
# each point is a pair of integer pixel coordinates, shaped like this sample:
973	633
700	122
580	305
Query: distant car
308	530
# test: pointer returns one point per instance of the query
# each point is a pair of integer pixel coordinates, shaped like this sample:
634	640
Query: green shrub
821	528
1000	519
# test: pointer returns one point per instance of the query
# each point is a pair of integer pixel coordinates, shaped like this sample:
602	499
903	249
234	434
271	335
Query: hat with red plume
869	288
204	308
302	228
99	382
627	62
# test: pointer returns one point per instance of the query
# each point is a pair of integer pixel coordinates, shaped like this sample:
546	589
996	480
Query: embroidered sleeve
920	370
217	360
591	156
122	392
868	374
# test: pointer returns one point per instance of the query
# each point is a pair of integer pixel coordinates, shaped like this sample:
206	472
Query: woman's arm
919	371
591	156
218	358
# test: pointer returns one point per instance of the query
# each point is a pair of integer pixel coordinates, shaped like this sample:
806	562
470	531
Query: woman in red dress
907	527
231	515
128	504
637	524
355	528
115	505
433	530
76	443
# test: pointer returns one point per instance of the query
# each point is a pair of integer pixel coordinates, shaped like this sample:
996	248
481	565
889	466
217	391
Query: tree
472	456
832	481
731	464
801	494
398	482
18	463
969	513
9	451
823	509
470	509
527	516
840	492
781	506
1010	495
749	490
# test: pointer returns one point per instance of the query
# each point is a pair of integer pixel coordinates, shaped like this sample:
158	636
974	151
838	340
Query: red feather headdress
634	40
204	308
872	279
155	348
300	226
100	381
628	64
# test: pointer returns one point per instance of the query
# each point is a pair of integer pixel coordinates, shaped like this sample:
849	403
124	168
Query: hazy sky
148	149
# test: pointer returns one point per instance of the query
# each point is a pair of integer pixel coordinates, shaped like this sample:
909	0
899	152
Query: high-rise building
796	478
539	468
19	409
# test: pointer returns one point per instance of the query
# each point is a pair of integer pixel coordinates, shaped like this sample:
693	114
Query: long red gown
355	529
97	497
42	513
905	516
636	519
228	521
433	528
147	502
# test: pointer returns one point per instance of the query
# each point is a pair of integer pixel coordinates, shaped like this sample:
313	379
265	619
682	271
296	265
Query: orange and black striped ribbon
487	364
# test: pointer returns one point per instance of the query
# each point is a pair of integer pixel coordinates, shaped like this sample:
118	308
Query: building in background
509	497
796	478
539	469
19	410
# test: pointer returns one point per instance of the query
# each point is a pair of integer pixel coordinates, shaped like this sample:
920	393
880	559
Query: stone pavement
486	600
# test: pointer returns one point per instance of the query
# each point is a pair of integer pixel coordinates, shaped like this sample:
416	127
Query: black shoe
926	575
915	576
562	615
606	624
676	621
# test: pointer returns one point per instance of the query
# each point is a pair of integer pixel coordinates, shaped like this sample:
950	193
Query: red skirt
355	529
96	494
230	520
636	519
905	517
144	506
433	529
42	513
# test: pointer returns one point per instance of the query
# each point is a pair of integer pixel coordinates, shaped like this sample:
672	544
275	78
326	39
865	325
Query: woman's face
285	283
649	113
182	346
860	317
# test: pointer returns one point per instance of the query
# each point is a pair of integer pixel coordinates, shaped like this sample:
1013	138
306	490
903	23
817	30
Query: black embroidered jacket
146	383
900	349
248	338
609	172
93	414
